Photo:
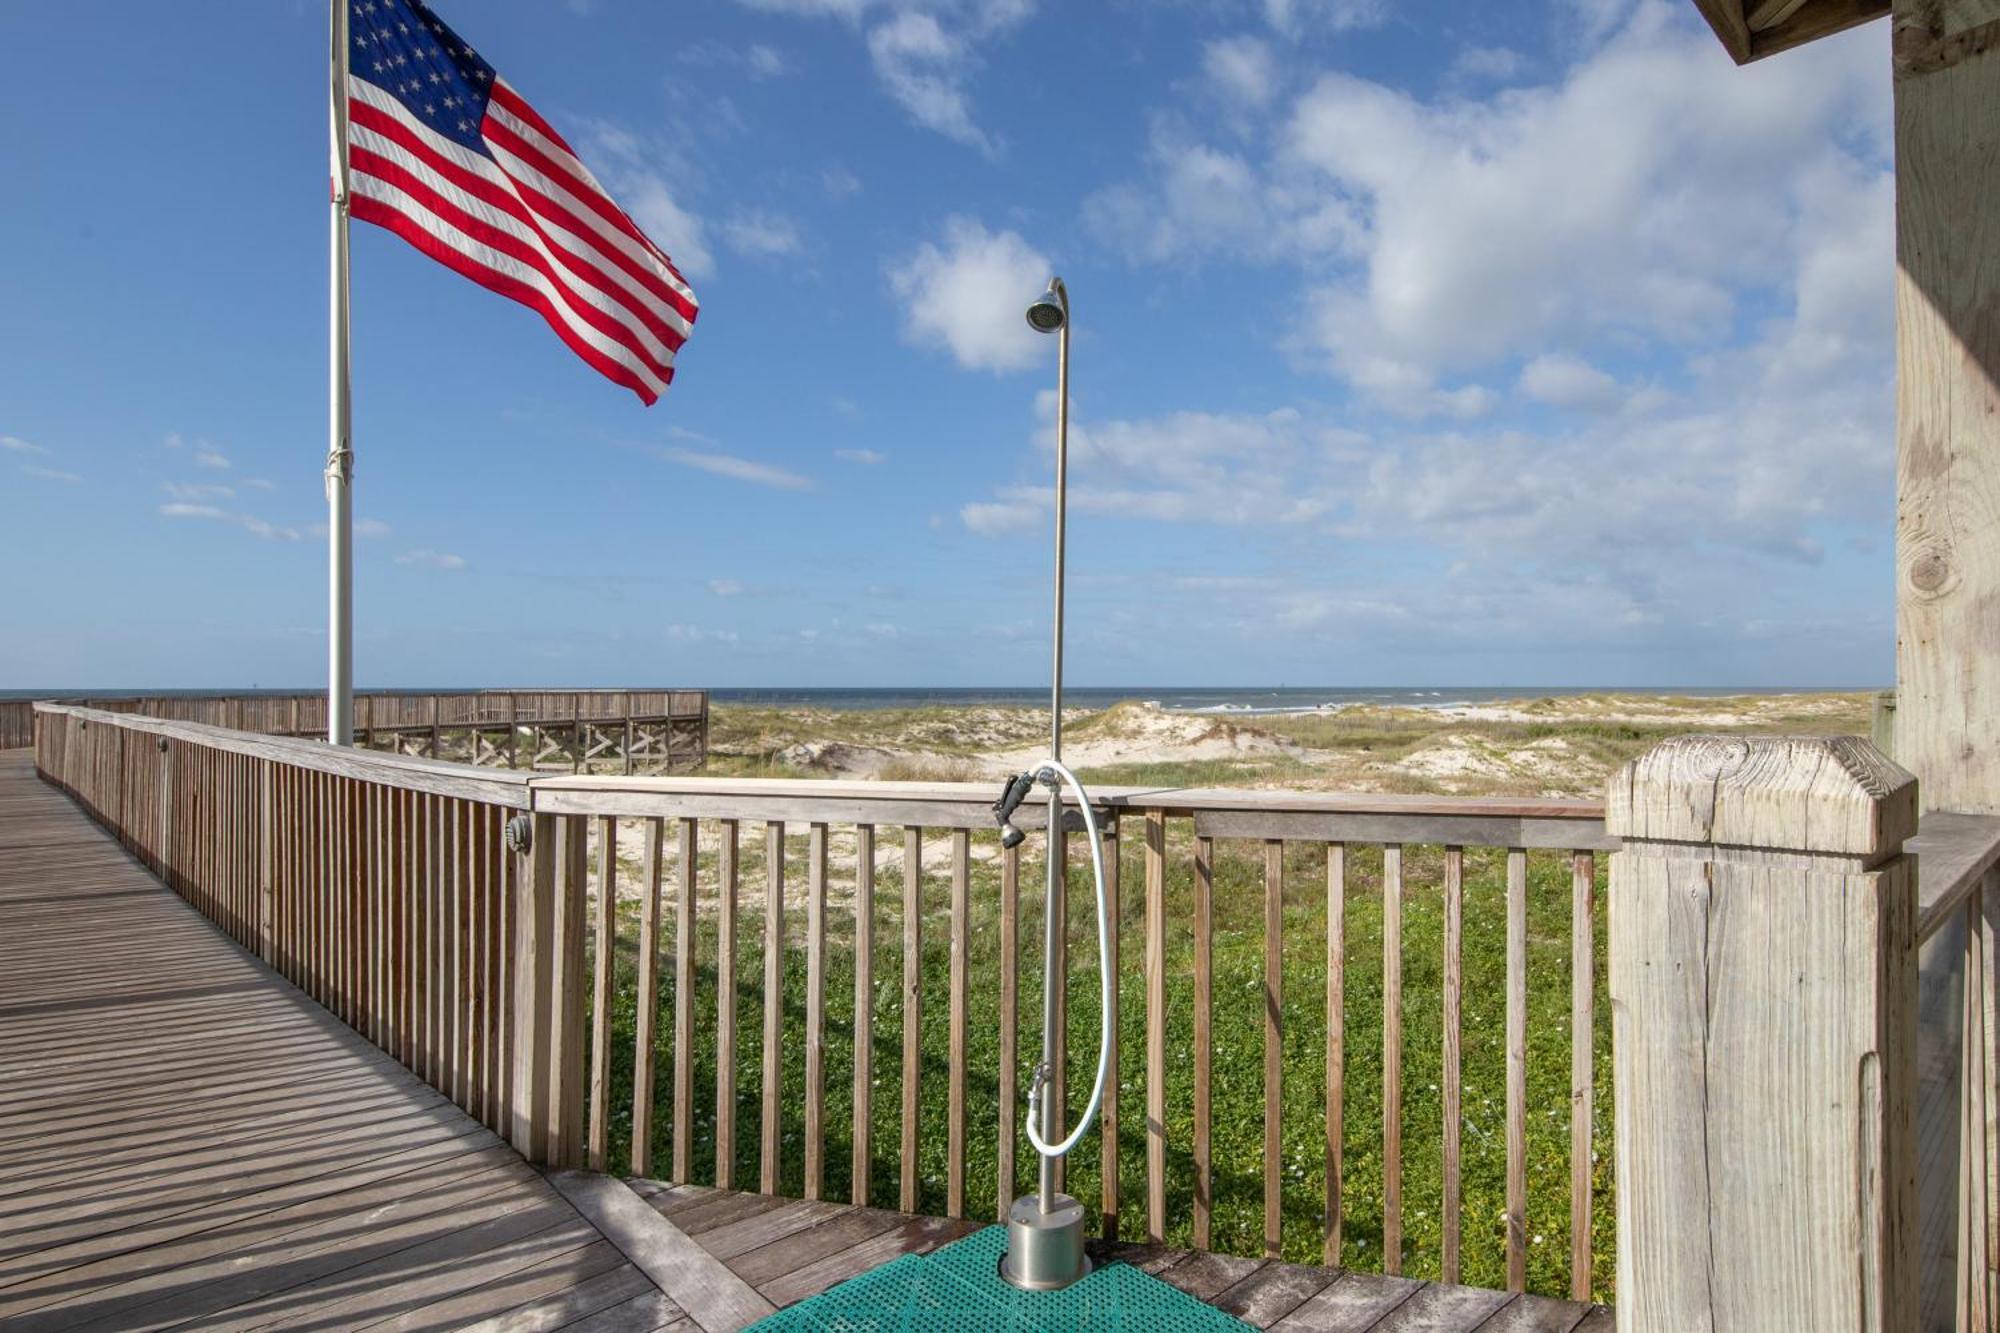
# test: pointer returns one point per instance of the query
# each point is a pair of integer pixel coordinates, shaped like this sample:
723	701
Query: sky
1436	342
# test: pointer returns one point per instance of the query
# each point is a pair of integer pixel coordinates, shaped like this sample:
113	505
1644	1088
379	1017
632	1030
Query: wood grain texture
687	865
913	1010
815	1148
1452	1087
862	1173
1582	1076
1764	1029
1517	1070
1392	1060
1109	1193
957	979
1010	1029
729	878
770	1138
1204	1039
603	978
1274	1048
1156	1026
646	999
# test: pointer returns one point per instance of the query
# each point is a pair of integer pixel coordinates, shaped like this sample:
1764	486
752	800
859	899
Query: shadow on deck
191	1141
188	1140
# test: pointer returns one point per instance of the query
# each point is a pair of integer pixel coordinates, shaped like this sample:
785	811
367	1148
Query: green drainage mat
958	1288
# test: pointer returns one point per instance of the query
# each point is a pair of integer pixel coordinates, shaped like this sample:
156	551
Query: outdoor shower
1045	1229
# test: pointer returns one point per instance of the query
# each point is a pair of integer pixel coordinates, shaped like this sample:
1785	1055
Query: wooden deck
789	1249
190	1142
187	1140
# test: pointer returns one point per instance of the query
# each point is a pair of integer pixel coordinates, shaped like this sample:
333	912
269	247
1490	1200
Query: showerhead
1048	312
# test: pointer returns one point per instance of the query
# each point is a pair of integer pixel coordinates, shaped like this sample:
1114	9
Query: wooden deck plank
1272	1292
190	1138
1354	1303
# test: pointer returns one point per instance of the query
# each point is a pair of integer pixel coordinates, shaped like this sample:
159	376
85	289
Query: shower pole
1053	919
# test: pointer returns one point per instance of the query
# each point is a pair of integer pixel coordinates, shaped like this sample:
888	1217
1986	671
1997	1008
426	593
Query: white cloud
1483	238
41	473
923	52
173	440
967	294
865	457
637	173
1562	380
923	67
208	456
1497	63
760	233
431	559
1242	70
14	444
696	634
883	630
250	523
183	490
766	61
370	527
740	469
725	587
839	182
1294	17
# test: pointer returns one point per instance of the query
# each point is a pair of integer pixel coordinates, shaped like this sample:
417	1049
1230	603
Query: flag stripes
444	153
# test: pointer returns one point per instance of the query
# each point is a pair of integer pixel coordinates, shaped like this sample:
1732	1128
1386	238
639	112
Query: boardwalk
188	1140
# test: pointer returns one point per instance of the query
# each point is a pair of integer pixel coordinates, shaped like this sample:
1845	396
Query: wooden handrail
382	885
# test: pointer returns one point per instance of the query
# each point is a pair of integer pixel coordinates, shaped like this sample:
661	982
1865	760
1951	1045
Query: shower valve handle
1010	800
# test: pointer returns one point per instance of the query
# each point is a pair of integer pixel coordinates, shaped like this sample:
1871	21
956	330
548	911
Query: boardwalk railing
575	960
385	886
653	728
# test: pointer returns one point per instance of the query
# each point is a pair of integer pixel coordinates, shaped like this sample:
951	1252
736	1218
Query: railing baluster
567	1053
1336	1046
1010	1018
913	1000
1974	1310
647	1000
864	1012
684	939
1107	1114
1453	1090
1274	1053
1517	1069
815	1012
1582	1039
728	877
1204	1015
961	898
1392	1059
769	1139
1156	1026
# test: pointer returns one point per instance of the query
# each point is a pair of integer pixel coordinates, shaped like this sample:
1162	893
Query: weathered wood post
1763	991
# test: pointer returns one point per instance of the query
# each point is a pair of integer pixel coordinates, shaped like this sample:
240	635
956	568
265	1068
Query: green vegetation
1573	743
1238	1115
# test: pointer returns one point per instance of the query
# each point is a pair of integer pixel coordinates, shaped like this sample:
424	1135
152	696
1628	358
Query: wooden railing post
1763	992
534	989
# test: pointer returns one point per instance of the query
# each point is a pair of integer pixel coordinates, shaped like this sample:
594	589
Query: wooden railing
484	928
1960	858
384	886
399	715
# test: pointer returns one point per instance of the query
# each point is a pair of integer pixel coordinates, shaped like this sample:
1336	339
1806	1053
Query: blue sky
1417	343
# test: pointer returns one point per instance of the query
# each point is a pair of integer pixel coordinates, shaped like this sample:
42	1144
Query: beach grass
1238	1091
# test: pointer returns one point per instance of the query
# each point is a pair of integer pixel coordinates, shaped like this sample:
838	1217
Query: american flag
443	152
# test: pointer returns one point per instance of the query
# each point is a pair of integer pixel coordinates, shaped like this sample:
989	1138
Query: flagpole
340	451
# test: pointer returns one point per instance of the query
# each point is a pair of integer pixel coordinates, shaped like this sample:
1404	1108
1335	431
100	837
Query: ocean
1187	699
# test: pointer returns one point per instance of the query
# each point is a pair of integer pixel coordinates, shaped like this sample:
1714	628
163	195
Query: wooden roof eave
1752	29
